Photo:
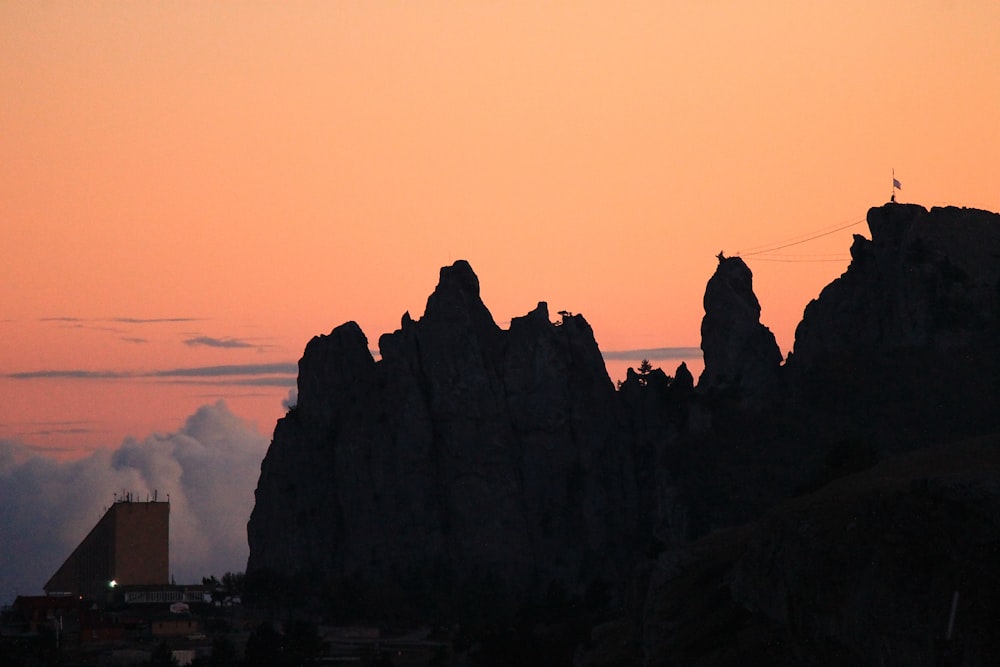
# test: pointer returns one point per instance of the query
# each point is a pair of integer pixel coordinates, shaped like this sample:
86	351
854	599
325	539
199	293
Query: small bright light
112	583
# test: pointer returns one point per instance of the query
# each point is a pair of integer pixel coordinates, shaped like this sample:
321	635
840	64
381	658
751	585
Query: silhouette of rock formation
467	457
741	356
903	346
789	518
863	572
896	360
927	280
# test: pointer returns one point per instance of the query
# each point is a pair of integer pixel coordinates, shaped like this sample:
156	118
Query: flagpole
892	199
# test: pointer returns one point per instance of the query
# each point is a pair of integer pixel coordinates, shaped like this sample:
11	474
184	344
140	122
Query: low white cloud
208	467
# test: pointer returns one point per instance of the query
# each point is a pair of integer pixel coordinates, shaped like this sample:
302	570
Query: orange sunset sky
190	191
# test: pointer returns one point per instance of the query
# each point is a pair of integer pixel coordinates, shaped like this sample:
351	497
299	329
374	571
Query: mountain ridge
474	470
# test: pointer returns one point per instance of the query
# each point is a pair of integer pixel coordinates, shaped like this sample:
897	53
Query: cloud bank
208	341
654	353
287	369
209	468
123	320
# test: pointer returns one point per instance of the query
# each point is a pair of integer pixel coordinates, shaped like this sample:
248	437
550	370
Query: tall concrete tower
128	546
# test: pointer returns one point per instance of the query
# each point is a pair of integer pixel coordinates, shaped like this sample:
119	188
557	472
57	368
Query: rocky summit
741	356
467	459
833	508
926	280
902	348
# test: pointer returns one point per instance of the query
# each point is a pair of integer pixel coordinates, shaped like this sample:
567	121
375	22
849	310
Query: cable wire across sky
759	252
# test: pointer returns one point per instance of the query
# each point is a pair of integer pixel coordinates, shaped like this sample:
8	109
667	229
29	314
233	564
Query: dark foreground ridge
825	510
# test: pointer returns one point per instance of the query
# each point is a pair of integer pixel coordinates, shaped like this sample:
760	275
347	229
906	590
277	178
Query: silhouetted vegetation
223	653
278	592
28	651
544	632
263	647
298	644
646	375
302	645
163	657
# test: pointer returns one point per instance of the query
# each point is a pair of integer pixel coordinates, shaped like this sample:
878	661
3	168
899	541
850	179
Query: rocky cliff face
902	347
501	464
467	456
897	360
872	564
925	280
863	572
742	358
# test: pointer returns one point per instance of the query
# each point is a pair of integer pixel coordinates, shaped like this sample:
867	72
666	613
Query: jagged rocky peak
467	456
456	297
683	383
926	280
741	355
332	365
